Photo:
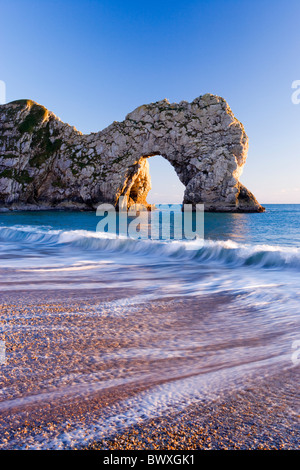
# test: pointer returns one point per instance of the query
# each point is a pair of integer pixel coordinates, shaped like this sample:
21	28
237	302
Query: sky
92	62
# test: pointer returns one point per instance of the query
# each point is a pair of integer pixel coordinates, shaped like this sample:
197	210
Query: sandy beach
261	418
87	369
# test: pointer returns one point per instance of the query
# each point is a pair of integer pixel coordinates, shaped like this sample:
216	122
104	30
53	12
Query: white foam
172	396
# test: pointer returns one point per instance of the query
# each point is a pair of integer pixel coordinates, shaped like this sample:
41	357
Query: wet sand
114	369
263	418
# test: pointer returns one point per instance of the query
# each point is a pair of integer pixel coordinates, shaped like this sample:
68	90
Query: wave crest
226	253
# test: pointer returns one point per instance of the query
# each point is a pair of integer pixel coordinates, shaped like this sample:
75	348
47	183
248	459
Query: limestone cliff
45	163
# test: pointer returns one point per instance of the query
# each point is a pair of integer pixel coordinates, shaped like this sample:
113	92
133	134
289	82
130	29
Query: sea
142	326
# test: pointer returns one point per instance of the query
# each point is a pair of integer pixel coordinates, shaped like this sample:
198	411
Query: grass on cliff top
36	116
22	103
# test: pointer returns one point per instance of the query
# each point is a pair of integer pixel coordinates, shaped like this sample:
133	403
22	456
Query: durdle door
47	164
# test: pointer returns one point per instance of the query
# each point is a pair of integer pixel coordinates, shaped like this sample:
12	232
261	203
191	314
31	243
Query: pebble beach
259	419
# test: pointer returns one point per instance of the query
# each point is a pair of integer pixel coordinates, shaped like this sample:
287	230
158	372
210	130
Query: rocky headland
47	164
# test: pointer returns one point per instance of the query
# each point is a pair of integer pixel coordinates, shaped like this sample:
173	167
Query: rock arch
45	163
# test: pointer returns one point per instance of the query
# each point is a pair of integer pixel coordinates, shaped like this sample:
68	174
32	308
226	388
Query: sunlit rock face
45	163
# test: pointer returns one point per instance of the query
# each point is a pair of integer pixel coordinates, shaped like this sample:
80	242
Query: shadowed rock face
45	163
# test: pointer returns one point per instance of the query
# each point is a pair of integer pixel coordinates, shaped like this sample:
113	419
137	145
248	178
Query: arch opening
166	187
154	181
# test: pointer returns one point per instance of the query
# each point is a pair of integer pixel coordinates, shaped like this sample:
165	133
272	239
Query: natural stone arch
137	188
45	163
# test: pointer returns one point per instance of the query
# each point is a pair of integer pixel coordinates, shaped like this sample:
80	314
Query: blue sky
92	62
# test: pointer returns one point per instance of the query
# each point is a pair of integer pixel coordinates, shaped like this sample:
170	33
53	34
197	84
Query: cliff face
45	163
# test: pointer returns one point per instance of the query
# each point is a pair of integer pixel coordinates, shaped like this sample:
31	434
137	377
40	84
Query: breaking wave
226	253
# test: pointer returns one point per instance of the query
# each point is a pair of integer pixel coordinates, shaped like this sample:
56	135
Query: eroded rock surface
45	163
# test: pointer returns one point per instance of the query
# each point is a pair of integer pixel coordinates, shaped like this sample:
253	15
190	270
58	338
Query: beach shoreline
261	418
98	380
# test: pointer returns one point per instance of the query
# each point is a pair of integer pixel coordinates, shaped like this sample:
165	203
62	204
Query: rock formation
46	164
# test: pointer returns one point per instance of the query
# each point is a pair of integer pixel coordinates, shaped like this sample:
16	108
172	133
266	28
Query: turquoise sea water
236	250
279	225
277	230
